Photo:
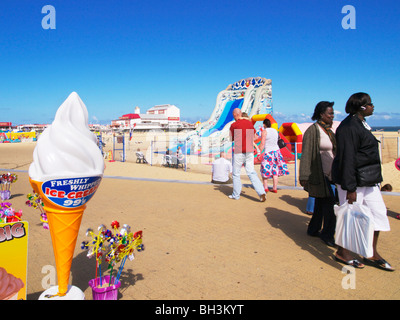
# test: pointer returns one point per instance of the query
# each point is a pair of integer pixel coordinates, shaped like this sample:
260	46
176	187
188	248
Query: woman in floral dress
272	164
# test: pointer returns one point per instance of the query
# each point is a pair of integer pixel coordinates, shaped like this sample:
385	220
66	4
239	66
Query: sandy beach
202	245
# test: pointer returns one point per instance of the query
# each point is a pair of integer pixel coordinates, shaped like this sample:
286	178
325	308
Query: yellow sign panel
13	260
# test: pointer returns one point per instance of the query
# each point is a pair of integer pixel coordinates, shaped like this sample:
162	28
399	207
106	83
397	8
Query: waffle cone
64	226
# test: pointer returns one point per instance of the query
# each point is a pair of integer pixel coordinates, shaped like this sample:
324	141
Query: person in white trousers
357	153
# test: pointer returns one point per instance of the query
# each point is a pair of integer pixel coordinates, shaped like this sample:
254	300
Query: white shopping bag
354	228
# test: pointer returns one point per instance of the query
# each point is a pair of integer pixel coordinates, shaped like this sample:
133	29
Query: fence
154	147
195	161
171	153
119	148
389	147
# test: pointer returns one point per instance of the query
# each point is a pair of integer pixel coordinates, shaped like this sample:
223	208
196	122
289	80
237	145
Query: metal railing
389	151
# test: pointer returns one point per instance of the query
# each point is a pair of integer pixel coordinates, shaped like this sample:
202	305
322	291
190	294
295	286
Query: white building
161	117
166	116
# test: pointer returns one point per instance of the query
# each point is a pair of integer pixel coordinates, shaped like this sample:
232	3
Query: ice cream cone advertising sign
66	171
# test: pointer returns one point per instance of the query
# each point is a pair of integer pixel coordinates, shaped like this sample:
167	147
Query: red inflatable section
289	132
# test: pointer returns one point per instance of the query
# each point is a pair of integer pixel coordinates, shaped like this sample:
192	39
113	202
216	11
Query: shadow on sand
295	227
226	189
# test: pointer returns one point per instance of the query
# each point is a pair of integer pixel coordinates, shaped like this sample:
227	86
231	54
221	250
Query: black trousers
323	217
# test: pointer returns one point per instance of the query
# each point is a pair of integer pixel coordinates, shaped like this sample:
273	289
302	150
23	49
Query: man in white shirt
221	170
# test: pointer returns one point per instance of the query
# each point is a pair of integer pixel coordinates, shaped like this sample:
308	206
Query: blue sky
125	53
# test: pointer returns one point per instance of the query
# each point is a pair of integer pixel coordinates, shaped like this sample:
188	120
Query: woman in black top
358	152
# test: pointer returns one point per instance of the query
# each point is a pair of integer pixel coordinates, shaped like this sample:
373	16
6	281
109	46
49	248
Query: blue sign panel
71	193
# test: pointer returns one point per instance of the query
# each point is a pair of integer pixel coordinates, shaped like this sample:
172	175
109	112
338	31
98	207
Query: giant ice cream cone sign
66	171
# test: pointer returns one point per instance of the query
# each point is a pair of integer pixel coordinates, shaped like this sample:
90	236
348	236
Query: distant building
32	127
127	121
5	125
165	117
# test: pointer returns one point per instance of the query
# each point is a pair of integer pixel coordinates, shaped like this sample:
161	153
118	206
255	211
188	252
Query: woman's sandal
380	263
354	263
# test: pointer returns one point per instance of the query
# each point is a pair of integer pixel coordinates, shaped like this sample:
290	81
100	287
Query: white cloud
379	118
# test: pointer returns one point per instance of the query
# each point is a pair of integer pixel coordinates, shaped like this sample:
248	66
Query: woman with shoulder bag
272	165
319	146
356	170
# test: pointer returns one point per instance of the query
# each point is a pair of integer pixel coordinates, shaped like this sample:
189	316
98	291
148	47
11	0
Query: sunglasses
368	104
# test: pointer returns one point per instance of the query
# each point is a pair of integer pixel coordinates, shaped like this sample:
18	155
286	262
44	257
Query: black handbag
281	143
369	175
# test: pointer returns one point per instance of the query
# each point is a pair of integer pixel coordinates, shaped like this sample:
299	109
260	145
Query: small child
387	187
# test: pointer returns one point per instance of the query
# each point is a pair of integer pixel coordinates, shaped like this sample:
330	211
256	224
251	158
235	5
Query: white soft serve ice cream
67	148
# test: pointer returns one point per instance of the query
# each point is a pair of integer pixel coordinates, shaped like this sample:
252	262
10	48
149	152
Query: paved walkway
202	245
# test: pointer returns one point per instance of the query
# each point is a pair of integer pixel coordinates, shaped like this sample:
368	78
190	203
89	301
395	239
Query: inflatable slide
251	95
